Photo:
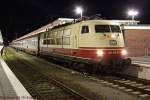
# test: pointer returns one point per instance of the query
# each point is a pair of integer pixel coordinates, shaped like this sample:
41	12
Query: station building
137	38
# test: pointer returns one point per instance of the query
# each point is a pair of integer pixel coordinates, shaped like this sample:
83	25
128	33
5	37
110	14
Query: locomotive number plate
113	42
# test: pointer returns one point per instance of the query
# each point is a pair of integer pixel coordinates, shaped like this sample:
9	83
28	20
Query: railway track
129	84
126	83
39	85
134	87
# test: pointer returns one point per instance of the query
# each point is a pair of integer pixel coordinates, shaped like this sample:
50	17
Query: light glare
100	53
78	10
113	36
132	13
124	52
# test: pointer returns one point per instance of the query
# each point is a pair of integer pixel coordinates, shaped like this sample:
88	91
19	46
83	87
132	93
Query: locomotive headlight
124	52
100	52
113	36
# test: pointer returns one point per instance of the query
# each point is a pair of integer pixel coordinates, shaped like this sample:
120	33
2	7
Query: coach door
84	37
38	52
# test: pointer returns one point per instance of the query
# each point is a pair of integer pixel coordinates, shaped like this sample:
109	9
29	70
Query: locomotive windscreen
107	28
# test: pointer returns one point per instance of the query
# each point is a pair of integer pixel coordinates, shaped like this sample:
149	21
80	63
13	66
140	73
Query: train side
29	45
96	40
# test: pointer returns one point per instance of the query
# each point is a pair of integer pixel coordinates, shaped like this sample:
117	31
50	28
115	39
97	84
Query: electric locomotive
98	41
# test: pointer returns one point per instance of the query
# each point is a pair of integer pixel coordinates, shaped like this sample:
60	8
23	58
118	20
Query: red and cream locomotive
100	41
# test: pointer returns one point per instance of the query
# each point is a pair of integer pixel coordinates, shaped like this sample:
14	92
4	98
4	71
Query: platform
10	87
142	61
140	67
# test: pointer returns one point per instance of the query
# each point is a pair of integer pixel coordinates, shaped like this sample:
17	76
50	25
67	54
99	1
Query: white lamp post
132	13
79	11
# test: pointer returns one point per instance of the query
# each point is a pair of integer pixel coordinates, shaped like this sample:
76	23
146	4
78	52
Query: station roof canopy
127	22
137	27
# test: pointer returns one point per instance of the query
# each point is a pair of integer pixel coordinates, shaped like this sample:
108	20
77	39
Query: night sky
19	17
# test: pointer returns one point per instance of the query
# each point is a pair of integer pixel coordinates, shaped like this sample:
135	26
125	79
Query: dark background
19	17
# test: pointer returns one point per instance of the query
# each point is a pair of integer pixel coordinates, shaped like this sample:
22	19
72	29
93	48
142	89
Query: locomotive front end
106	40
113	57
113	50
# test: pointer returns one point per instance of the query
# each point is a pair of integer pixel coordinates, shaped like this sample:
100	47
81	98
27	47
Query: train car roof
50	25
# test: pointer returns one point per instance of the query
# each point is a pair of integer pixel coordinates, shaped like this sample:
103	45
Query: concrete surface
10	86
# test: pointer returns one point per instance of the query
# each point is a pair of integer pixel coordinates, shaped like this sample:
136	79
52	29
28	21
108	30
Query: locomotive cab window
85	29
115	28
107	28
102	28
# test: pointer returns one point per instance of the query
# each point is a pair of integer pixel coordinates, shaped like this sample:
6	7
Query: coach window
44	42
85	29
55	37
45	35
49	33
48	41
59	37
